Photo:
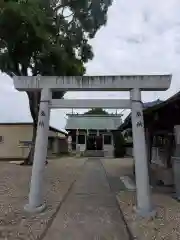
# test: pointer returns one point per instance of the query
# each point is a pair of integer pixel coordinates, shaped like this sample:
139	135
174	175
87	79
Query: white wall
12	134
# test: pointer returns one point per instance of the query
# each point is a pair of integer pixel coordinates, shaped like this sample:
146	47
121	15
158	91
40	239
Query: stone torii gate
133	84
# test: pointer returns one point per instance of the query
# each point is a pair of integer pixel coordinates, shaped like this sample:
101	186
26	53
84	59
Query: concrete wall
12	134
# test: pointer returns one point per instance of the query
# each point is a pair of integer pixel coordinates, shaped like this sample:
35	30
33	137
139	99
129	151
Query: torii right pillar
144	204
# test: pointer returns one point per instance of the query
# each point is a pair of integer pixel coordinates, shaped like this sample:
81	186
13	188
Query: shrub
119	145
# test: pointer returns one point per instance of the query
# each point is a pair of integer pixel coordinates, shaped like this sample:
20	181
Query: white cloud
140	37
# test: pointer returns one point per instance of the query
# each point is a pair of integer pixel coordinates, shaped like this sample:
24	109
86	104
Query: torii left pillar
36	203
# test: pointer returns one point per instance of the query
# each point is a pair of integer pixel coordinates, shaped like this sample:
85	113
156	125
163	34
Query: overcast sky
141	36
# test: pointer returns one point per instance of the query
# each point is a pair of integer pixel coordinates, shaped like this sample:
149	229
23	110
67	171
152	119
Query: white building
92	133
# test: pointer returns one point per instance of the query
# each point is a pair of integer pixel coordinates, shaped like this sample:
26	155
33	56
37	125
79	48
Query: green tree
119	144
96	111
48	38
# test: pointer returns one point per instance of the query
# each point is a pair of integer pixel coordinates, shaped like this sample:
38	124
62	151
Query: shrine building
92	132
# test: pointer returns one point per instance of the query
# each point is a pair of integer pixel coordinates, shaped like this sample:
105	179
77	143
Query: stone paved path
90	211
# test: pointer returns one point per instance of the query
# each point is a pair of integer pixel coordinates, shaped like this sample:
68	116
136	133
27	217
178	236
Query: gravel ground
15	224
60	174
166	224
117	167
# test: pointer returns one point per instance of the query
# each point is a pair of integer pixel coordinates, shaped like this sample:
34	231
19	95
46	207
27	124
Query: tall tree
96	111
48	37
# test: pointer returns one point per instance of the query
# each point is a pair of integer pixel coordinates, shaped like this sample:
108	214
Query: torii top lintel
94	83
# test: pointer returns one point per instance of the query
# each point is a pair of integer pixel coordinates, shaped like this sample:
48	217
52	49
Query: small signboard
25	143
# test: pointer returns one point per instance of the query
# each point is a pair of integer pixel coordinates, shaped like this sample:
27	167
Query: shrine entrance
99	143
94	142
91	142
134	84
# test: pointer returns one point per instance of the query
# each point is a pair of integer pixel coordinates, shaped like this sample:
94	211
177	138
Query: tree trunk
34	101
32	149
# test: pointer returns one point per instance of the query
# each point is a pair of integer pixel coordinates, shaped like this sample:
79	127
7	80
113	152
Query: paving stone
90	211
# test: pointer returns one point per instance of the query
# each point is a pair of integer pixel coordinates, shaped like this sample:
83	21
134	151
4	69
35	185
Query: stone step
92	153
